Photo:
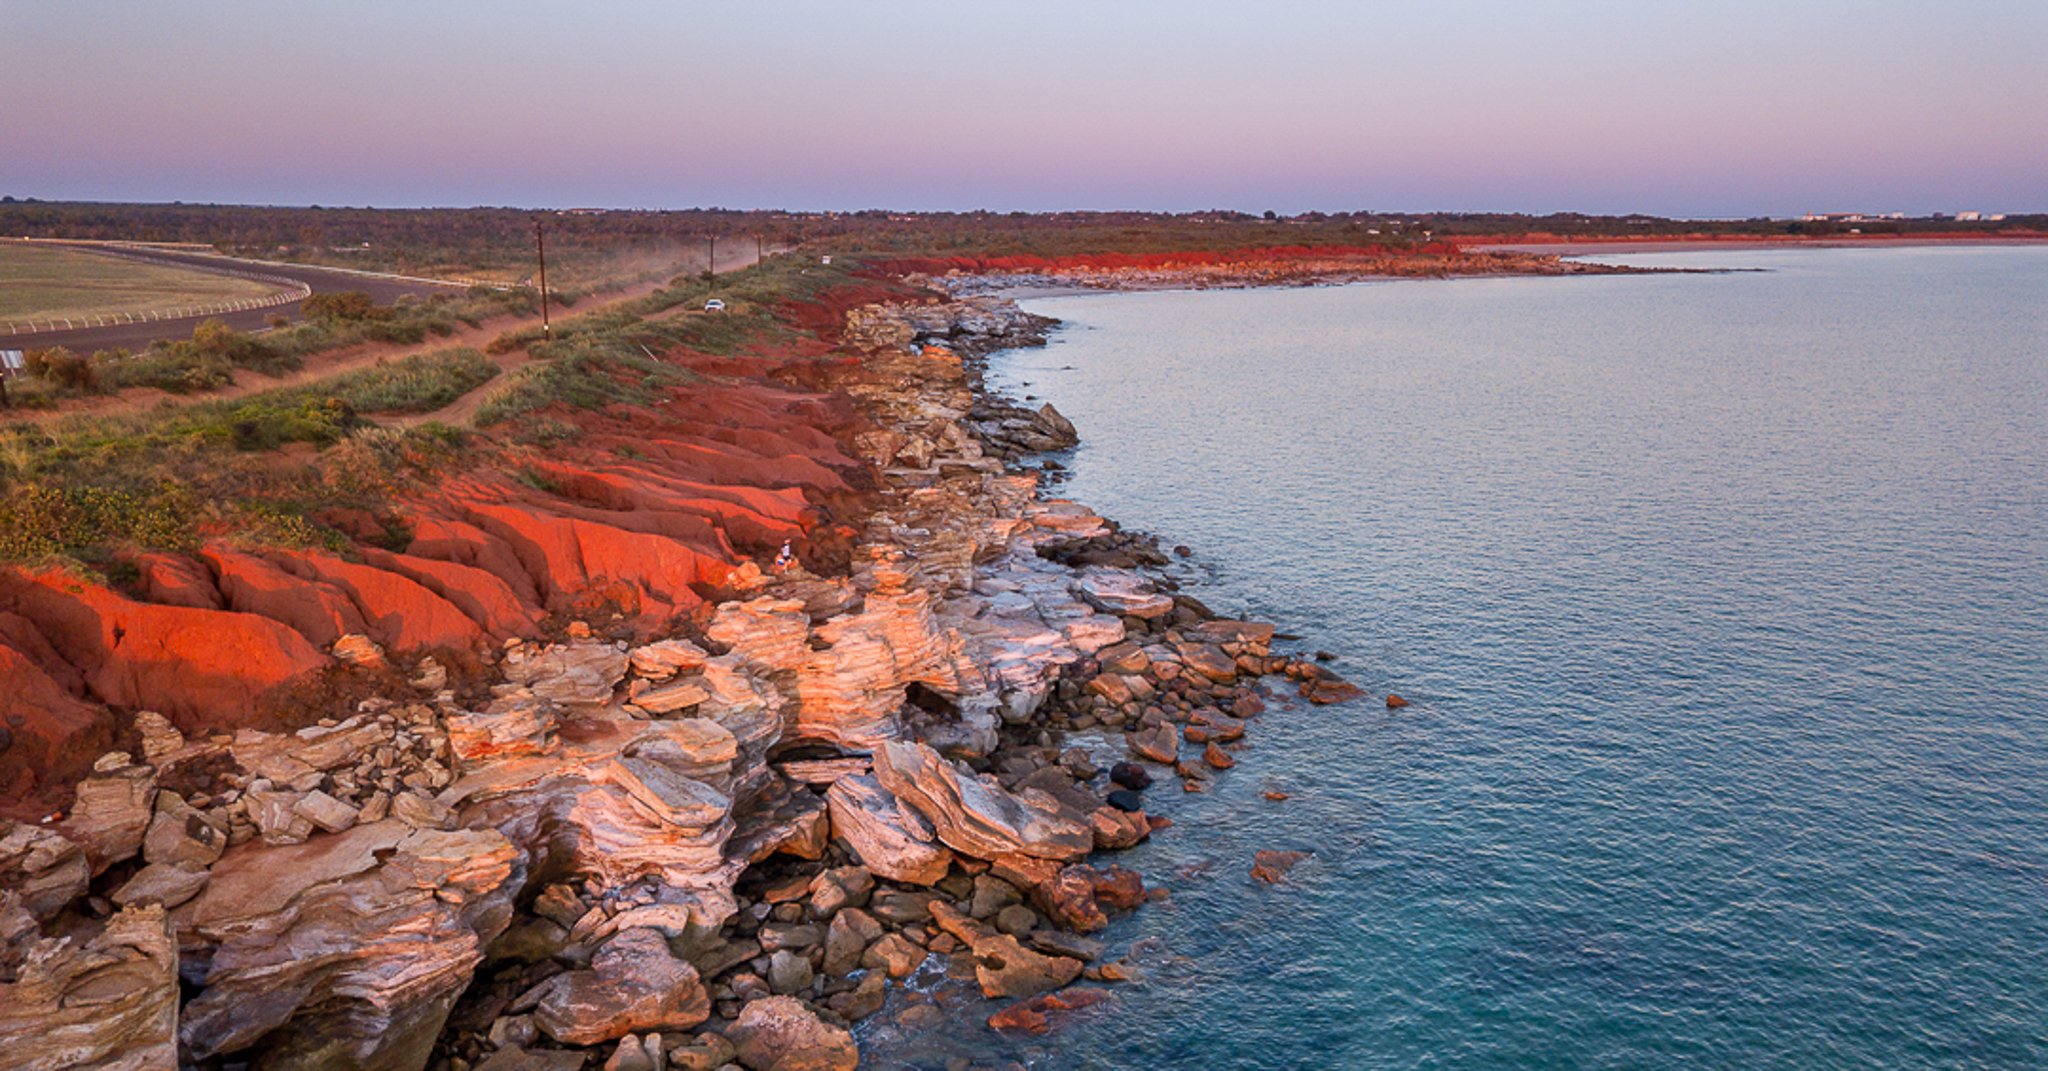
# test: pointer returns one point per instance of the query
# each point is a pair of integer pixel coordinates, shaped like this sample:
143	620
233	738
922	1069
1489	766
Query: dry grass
45	282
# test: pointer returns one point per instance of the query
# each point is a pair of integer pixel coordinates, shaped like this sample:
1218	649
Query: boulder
847	939
44	869
784	1034
1160	743
892	839
662	660
112	810
1126	594
634	983
975	815
575	673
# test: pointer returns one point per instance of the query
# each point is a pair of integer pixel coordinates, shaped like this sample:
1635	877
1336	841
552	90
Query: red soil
647	515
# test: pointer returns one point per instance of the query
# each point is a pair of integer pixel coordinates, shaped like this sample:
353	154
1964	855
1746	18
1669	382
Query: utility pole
757	249
711	264
540	248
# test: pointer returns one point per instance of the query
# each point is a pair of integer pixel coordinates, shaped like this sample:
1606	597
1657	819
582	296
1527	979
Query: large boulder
784	1034
973	814
634	983
891	839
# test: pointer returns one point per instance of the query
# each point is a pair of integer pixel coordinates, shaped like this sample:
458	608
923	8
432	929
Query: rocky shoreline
725	845
1223	272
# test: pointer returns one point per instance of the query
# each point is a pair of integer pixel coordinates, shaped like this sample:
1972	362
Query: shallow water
1723	604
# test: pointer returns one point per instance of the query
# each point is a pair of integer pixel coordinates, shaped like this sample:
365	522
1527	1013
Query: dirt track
322	365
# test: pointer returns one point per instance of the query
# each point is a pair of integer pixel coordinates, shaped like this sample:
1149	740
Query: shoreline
704	807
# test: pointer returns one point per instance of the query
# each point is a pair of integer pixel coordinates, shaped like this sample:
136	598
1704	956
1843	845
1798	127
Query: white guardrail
290	290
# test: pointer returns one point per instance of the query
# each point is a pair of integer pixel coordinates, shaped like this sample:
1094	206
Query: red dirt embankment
635	526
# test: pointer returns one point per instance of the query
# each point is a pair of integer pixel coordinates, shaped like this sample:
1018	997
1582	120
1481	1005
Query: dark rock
1130	775
1124	799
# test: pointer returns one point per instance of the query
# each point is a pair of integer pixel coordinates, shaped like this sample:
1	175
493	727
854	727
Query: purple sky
1674	107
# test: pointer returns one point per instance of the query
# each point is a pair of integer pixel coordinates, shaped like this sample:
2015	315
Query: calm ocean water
1723	604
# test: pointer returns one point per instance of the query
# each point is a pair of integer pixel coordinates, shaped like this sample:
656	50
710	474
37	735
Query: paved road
381	288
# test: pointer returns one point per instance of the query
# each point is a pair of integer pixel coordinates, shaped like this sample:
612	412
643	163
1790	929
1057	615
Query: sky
1670	107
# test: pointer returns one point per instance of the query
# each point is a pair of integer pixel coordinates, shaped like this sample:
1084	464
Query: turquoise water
1723	604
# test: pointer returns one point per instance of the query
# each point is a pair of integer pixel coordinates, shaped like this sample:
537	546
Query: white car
714	305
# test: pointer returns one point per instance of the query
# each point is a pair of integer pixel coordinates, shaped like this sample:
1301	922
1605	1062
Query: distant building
1969	217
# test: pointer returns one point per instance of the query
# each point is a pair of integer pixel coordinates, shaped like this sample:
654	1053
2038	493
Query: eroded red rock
201	668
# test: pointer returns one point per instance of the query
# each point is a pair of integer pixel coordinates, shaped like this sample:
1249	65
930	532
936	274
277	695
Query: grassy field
44	282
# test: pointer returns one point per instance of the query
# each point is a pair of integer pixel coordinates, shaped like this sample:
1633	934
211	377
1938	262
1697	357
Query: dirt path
335	362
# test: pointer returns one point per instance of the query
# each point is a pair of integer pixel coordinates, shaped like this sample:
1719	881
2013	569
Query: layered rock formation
713	799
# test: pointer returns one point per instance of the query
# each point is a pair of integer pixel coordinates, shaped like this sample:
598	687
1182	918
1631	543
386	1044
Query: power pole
711	265
540	248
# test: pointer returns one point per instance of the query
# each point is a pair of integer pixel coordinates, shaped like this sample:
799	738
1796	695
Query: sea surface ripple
1723	603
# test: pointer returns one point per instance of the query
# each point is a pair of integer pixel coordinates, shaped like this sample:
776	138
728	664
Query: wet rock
1216	757
1395	702
1324	691
1132	776
864	1000
1124	799
1072	946
1035	1016
1160	743
1271	867
1117	829
783	1034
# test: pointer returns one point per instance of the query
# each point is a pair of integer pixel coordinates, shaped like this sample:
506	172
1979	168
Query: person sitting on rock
785	556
